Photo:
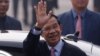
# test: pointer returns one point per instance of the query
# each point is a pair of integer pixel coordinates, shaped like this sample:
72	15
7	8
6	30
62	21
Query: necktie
52	52
79	27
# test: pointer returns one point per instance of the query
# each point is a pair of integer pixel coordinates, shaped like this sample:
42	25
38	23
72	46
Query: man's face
80	4
52	31
4	4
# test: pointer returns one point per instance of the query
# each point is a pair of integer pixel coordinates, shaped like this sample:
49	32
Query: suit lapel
65	50
71	21
45	51
86	22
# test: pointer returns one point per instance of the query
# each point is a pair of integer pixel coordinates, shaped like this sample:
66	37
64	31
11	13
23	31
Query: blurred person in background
49	27
51	5
15	7
7	22
25	10
80	19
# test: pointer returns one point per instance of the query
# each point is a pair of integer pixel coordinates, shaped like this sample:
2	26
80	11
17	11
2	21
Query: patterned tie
78	27
52	51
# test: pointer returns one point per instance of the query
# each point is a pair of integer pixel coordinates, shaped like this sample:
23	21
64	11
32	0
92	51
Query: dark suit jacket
34	47
90	25
9	23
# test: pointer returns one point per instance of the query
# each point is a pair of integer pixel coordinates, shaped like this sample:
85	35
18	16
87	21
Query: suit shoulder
75	50
94	14
12	19
64	15
13	23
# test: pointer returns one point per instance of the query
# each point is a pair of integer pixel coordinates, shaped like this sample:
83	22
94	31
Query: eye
6	1
55	26
46	29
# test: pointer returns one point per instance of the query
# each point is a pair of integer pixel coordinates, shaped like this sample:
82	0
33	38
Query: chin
53	43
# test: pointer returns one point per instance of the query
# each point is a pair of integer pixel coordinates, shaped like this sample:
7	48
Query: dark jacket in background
9	23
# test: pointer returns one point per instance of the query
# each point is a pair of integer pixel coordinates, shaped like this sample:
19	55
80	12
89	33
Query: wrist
37	28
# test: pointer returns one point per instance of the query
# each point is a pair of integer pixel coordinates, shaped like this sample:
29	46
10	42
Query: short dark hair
56	18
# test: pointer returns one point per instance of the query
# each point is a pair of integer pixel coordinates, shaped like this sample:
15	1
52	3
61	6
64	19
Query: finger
41	0
50	13
39	4
36	11
43	10
39	8
45	7
35	8
42	3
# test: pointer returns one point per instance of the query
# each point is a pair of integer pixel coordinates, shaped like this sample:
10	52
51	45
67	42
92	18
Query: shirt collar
75	13
58	47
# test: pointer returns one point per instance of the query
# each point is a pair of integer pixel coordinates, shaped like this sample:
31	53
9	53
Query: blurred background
23	9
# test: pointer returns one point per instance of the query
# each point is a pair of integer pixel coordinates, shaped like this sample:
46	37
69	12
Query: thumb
50	13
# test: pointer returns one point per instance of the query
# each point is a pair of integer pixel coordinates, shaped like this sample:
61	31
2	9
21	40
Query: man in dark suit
49	27
7	22
90	21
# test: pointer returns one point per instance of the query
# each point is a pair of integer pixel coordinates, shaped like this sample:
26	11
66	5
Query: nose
52	31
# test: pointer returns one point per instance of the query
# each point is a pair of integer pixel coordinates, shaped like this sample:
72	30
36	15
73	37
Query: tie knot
79	16
52	49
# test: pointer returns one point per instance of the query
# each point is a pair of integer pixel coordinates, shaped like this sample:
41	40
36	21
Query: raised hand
41	16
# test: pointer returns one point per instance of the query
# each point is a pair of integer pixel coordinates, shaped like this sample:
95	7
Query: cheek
59	29
87	2
44	34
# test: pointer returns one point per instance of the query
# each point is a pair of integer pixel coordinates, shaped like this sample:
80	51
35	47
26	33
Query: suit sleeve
30	44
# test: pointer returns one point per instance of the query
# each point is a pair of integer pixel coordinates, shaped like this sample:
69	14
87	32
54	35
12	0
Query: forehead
51	21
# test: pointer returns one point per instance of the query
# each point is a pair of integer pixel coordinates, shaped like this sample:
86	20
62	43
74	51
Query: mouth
53	36
80	1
